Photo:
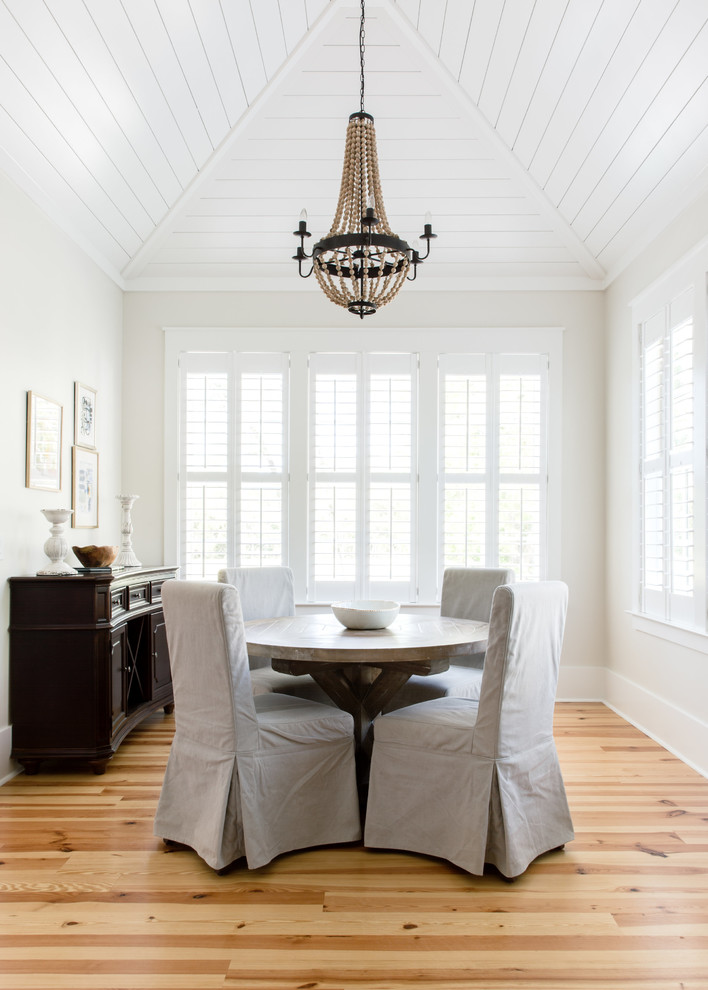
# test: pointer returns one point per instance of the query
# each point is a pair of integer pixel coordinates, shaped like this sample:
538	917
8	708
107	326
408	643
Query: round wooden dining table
362	669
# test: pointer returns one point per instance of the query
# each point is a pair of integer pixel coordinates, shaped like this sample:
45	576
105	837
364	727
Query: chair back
210	677
467	592
521	668
265	592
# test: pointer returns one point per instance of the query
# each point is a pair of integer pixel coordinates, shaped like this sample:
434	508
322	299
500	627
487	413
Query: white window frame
427	344
656	614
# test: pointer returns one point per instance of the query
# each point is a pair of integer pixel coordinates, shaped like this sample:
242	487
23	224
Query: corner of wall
660	720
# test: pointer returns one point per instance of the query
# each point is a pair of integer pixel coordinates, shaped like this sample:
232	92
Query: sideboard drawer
118	602
156	591
138	594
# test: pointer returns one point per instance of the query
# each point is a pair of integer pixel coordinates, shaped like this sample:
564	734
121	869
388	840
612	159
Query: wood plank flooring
90	900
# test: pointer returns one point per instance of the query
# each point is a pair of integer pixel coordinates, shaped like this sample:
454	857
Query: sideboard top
119	575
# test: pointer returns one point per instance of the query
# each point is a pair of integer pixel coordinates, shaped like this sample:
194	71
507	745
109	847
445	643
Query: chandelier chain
361	55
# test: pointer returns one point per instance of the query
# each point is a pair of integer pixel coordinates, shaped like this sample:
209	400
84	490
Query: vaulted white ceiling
178	140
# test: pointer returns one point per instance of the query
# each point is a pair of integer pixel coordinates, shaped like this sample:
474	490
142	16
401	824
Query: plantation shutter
204	465
261	462
233	466
362	476
667	463
464	416
402	464
493	412
521	440
390	476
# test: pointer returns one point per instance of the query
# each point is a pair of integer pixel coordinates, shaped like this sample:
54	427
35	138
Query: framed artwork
84	488
44	435
84	415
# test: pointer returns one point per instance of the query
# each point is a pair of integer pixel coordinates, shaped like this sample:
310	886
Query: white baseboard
581	684
676	730
8	767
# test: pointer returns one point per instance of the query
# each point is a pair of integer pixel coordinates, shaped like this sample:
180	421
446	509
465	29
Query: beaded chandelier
361	264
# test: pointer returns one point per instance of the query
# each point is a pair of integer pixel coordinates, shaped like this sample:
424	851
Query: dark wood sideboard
88	662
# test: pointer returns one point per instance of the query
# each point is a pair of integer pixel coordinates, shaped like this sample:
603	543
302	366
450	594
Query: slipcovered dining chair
268	593
467	593
481	783
246	776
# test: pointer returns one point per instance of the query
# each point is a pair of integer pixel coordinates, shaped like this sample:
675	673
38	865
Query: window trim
691	638
428	344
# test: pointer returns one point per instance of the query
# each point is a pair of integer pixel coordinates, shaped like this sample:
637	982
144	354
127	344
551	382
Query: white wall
579	313
659	685
60	322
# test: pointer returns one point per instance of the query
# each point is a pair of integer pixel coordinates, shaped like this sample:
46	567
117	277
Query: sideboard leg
98	766
31	767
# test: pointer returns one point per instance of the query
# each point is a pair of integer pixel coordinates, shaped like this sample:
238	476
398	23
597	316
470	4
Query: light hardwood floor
89	899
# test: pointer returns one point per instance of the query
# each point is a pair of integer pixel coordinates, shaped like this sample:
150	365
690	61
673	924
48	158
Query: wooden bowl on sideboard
96	556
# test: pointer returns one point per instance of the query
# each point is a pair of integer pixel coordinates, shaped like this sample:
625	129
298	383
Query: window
233	462
493	451
668	451
362	470
368	472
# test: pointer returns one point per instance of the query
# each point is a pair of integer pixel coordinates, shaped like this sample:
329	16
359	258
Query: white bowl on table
370	614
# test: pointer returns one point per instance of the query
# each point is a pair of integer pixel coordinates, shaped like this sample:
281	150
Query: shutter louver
465	525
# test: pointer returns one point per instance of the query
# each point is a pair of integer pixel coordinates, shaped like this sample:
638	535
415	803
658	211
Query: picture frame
44	439
84	487
84	416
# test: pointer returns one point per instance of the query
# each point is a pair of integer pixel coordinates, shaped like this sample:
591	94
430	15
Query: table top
321	637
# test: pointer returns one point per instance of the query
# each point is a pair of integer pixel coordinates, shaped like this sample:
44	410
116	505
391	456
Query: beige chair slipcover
467	593
253	776
268	593
481	783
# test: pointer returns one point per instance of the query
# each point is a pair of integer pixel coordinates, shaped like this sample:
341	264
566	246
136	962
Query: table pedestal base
363	690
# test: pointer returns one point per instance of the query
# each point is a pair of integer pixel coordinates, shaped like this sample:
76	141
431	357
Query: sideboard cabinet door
118	679
161	673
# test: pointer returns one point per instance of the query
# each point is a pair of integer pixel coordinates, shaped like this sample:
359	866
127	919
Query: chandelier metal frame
356	266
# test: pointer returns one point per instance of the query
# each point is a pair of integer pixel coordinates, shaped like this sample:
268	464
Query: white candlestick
126	557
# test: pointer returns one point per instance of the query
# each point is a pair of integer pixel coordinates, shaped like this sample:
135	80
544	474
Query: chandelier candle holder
126	557
56	547
361	264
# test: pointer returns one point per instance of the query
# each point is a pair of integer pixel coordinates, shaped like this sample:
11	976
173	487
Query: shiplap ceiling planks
178	140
